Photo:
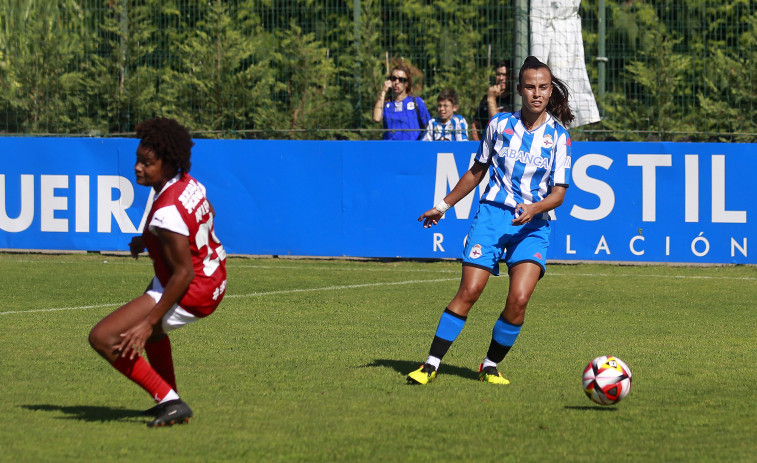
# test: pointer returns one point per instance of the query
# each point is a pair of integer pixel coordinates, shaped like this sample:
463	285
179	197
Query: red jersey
183	208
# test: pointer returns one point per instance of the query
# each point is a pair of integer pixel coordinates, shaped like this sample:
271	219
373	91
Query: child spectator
448	126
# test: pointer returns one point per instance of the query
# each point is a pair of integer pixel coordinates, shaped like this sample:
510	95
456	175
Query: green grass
305	361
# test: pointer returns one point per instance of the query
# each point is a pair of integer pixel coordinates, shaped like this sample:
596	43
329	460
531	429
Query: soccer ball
607	380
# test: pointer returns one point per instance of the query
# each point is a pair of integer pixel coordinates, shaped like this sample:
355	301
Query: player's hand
387	85
134	339
136	246
524	213
430	217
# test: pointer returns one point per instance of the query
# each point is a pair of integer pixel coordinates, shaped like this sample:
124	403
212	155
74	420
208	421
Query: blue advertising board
632	202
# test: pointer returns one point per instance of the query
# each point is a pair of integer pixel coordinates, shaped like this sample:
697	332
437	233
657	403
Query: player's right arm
179	256
467	183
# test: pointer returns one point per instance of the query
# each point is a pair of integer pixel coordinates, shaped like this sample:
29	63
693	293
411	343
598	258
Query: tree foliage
677	70
685	70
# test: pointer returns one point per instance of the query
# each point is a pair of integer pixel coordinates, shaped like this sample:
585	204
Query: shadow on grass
406	366
593	408
88	412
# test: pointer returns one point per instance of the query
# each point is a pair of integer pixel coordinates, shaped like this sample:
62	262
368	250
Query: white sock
435	361
172	395
488	363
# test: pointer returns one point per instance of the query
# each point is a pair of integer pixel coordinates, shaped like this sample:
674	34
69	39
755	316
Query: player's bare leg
472	284
523	279
105	338
106	335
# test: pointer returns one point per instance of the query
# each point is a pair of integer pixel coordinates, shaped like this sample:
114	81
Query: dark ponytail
558	102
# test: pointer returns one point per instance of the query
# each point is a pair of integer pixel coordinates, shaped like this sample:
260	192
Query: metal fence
308	69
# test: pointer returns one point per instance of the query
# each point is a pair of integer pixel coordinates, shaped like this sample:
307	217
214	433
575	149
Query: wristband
442	206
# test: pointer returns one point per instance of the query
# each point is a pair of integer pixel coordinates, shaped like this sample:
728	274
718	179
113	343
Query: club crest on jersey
547	140
475	253
411	105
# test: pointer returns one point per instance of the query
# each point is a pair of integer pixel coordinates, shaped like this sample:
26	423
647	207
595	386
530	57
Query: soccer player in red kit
190	271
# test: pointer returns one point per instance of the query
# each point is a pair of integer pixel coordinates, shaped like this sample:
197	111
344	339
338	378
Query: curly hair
558	102
169	140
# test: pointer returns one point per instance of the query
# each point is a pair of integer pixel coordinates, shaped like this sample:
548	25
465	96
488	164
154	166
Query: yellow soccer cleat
423	375
491	375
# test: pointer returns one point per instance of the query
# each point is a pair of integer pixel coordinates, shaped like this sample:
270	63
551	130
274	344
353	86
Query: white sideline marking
407	282
83	307
328	288
267	293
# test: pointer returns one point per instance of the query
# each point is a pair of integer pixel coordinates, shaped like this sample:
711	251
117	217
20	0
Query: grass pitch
305	360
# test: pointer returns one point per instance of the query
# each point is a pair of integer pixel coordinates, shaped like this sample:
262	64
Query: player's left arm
560	178
179	256
526	212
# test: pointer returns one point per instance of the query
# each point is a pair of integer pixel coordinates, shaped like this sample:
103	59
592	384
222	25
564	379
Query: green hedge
676	70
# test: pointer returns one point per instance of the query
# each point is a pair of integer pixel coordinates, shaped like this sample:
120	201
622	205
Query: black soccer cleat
152	411
171	412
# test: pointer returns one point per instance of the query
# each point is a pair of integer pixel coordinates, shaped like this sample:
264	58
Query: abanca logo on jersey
524	157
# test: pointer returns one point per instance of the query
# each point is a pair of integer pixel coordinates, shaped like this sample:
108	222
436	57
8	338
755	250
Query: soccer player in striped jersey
448	126
529	155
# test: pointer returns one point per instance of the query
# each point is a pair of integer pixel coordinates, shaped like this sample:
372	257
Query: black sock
439	347
497	351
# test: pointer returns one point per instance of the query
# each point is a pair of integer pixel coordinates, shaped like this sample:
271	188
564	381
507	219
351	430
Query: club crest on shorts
475	253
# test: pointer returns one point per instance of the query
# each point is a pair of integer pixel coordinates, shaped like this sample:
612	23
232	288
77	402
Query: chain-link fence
673	70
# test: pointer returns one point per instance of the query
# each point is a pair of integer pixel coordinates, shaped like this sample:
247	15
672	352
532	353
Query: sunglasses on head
401	79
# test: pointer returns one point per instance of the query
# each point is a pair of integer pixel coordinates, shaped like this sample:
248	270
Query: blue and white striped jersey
455	129
525	165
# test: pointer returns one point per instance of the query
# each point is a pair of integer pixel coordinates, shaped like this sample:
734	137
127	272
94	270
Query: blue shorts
492	236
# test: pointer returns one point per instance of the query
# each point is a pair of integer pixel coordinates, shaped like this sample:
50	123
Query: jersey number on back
205	233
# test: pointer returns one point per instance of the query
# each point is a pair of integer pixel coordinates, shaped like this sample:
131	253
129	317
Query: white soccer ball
607	380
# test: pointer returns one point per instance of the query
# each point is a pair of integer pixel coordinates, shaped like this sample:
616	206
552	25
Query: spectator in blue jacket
404	116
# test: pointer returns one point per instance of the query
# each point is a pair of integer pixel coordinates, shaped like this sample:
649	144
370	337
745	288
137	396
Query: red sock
159	355
139	371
